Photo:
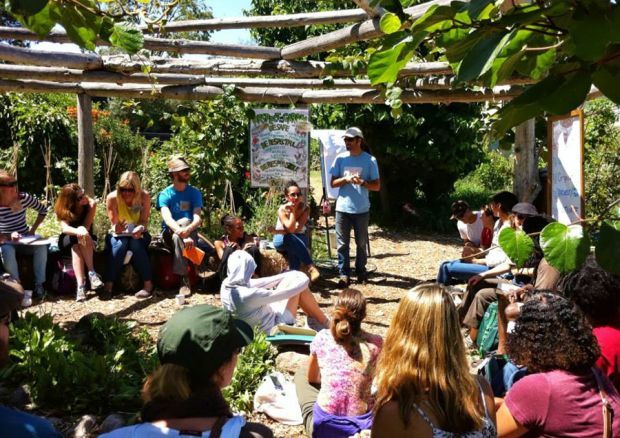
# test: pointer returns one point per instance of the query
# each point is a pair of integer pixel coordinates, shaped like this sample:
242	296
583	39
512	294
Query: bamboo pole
21	55
358	32
257	94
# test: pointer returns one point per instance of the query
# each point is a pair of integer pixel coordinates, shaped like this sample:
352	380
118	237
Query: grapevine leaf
565	246
517	245
608	245
128	39
390	23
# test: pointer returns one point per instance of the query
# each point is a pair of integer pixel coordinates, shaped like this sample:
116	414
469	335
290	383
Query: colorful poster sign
566	165
279	146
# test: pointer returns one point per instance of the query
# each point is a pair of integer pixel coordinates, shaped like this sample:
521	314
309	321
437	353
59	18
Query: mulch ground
399	261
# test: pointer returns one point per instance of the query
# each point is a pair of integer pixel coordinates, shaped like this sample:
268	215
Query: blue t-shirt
353	198
232	429
181	204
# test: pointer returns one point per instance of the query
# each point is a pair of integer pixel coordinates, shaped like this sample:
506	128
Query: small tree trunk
526	181
86	144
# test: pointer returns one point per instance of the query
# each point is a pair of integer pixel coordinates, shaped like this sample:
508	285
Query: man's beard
183	178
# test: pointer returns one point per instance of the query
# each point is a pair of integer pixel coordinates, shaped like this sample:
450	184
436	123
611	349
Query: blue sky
230	8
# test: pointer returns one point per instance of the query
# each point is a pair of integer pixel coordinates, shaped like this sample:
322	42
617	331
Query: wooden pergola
260	74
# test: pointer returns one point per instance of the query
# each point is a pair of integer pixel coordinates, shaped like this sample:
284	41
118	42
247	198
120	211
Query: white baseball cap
353	132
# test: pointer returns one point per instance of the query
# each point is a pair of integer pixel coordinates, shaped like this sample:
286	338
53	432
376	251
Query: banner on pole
279	146
332	145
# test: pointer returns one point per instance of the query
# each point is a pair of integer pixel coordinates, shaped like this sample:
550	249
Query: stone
20	397
290	361
85	426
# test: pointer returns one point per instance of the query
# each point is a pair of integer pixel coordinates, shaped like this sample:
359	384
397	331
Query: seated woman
129	208
198	349
451	272
234	239
268	301
76	213
564	395
342	361
290	231
424	387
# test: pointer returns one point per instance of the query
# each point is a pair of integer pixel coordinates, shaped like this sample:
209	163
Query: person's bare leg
502	323
308	304
293	304
473	334
87	253
78	264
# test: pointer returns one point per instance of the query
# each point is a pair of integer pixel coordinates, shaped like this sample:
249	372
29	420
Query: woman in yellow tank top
129	208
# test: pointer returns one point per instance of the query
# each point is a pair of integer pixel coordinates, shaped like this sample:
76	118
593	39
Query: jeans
451	272
296	247
359	223
117	247
39	259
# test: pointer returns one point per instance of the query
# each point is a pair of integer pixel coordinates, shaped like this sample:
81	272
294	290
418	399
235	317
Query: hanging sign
332	145
279	146
565	175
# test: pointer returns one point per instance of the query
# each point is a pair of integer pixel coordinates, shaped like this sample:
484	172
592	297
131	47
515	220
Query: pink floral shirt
345	379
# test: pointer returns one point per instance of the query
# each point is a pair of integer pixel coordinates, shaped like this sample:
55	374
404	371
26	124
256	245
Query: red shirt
608	338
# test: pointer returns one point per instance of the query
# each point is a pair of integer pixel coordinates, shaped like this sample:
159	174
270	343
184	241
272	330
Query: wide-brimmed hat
177	164
525	208
458	209
202	338
353	132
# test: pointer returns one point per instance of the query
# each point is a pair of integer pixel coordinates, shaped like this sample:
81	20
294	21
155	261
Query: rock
290	361
111	422
86	424
20	397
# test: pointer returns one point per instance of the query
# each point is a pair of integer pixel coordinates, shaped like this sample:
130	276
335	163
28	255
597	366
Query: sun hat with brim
525	208
353	132
458	209
202	338
177	165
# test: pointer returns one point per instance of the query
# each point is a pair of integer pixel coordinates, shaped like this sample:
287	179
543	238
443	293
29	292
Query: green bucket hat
202	338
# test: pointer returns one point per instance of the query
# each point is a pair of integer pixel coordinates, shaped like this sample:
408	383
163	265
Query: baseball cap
525	208
177	164
353	132
202	338
458	209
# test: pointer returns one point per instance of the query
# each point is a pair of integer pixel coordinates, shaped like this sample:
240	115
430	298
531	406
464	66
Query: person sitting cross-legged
268	301
129	208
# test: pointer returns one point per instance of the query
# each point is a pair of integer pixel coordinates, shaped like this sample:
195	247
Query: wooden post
526	181
86	144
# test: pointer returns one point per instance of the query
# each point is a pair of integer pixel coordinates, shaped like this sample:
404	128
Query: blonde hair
131	179
168	382
14	204
423	359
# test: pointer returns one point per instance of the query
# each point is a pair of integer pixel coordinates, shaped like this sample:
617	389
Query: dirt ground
399	260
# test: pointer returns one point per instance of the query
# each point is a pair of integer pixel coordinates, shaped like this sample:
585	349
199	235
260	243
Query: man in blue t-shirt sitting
180	206
355	172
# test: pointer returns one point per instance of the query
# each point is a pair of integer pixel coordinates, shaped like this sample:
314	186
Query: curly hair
551	334
595	291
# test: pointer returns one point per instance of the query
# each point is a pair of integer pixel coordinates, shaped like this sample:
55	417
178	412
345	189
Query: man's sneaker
95	280
362	278
343	281
39	291
185	288
80	294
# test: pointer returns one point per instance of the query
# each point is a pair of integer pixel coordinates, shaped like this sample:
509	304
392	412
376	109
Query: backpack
63	279
488	334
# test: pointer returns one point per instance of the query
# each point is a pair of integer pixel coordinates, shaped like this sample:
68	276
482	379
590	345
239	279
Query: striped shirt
15	221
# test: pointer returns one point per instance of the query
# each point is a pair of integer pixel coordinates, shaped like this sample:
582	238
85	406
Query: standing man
13	228
355	172
180	205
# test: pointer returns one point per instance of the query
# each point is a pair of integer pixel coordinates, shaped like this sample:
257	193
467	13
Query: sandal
143	293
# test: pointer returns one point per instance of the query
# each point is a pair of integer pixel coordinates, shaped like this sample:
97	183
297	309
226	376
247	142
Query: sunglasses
126	190
522	216
295	195
8	184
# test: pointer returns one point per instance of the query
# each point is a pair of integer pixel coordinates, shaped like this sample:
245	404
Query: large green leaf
384	65
26	8
608	245
129	39
477	6
517	245
590	35
40	23
435	14
390	23
565	246
80	22
607	83
570	95
480	59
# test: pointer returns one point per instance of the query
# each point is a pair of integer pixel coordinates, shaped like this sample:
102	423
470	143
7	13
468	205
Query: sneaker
343	281
185	288
39	291
95	280
362	278
80	294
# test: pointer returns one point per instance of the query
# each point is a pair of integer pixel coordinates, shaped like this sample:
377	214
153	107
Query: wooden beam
257	94
20	55
362	31
86	144
287	20
157	44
